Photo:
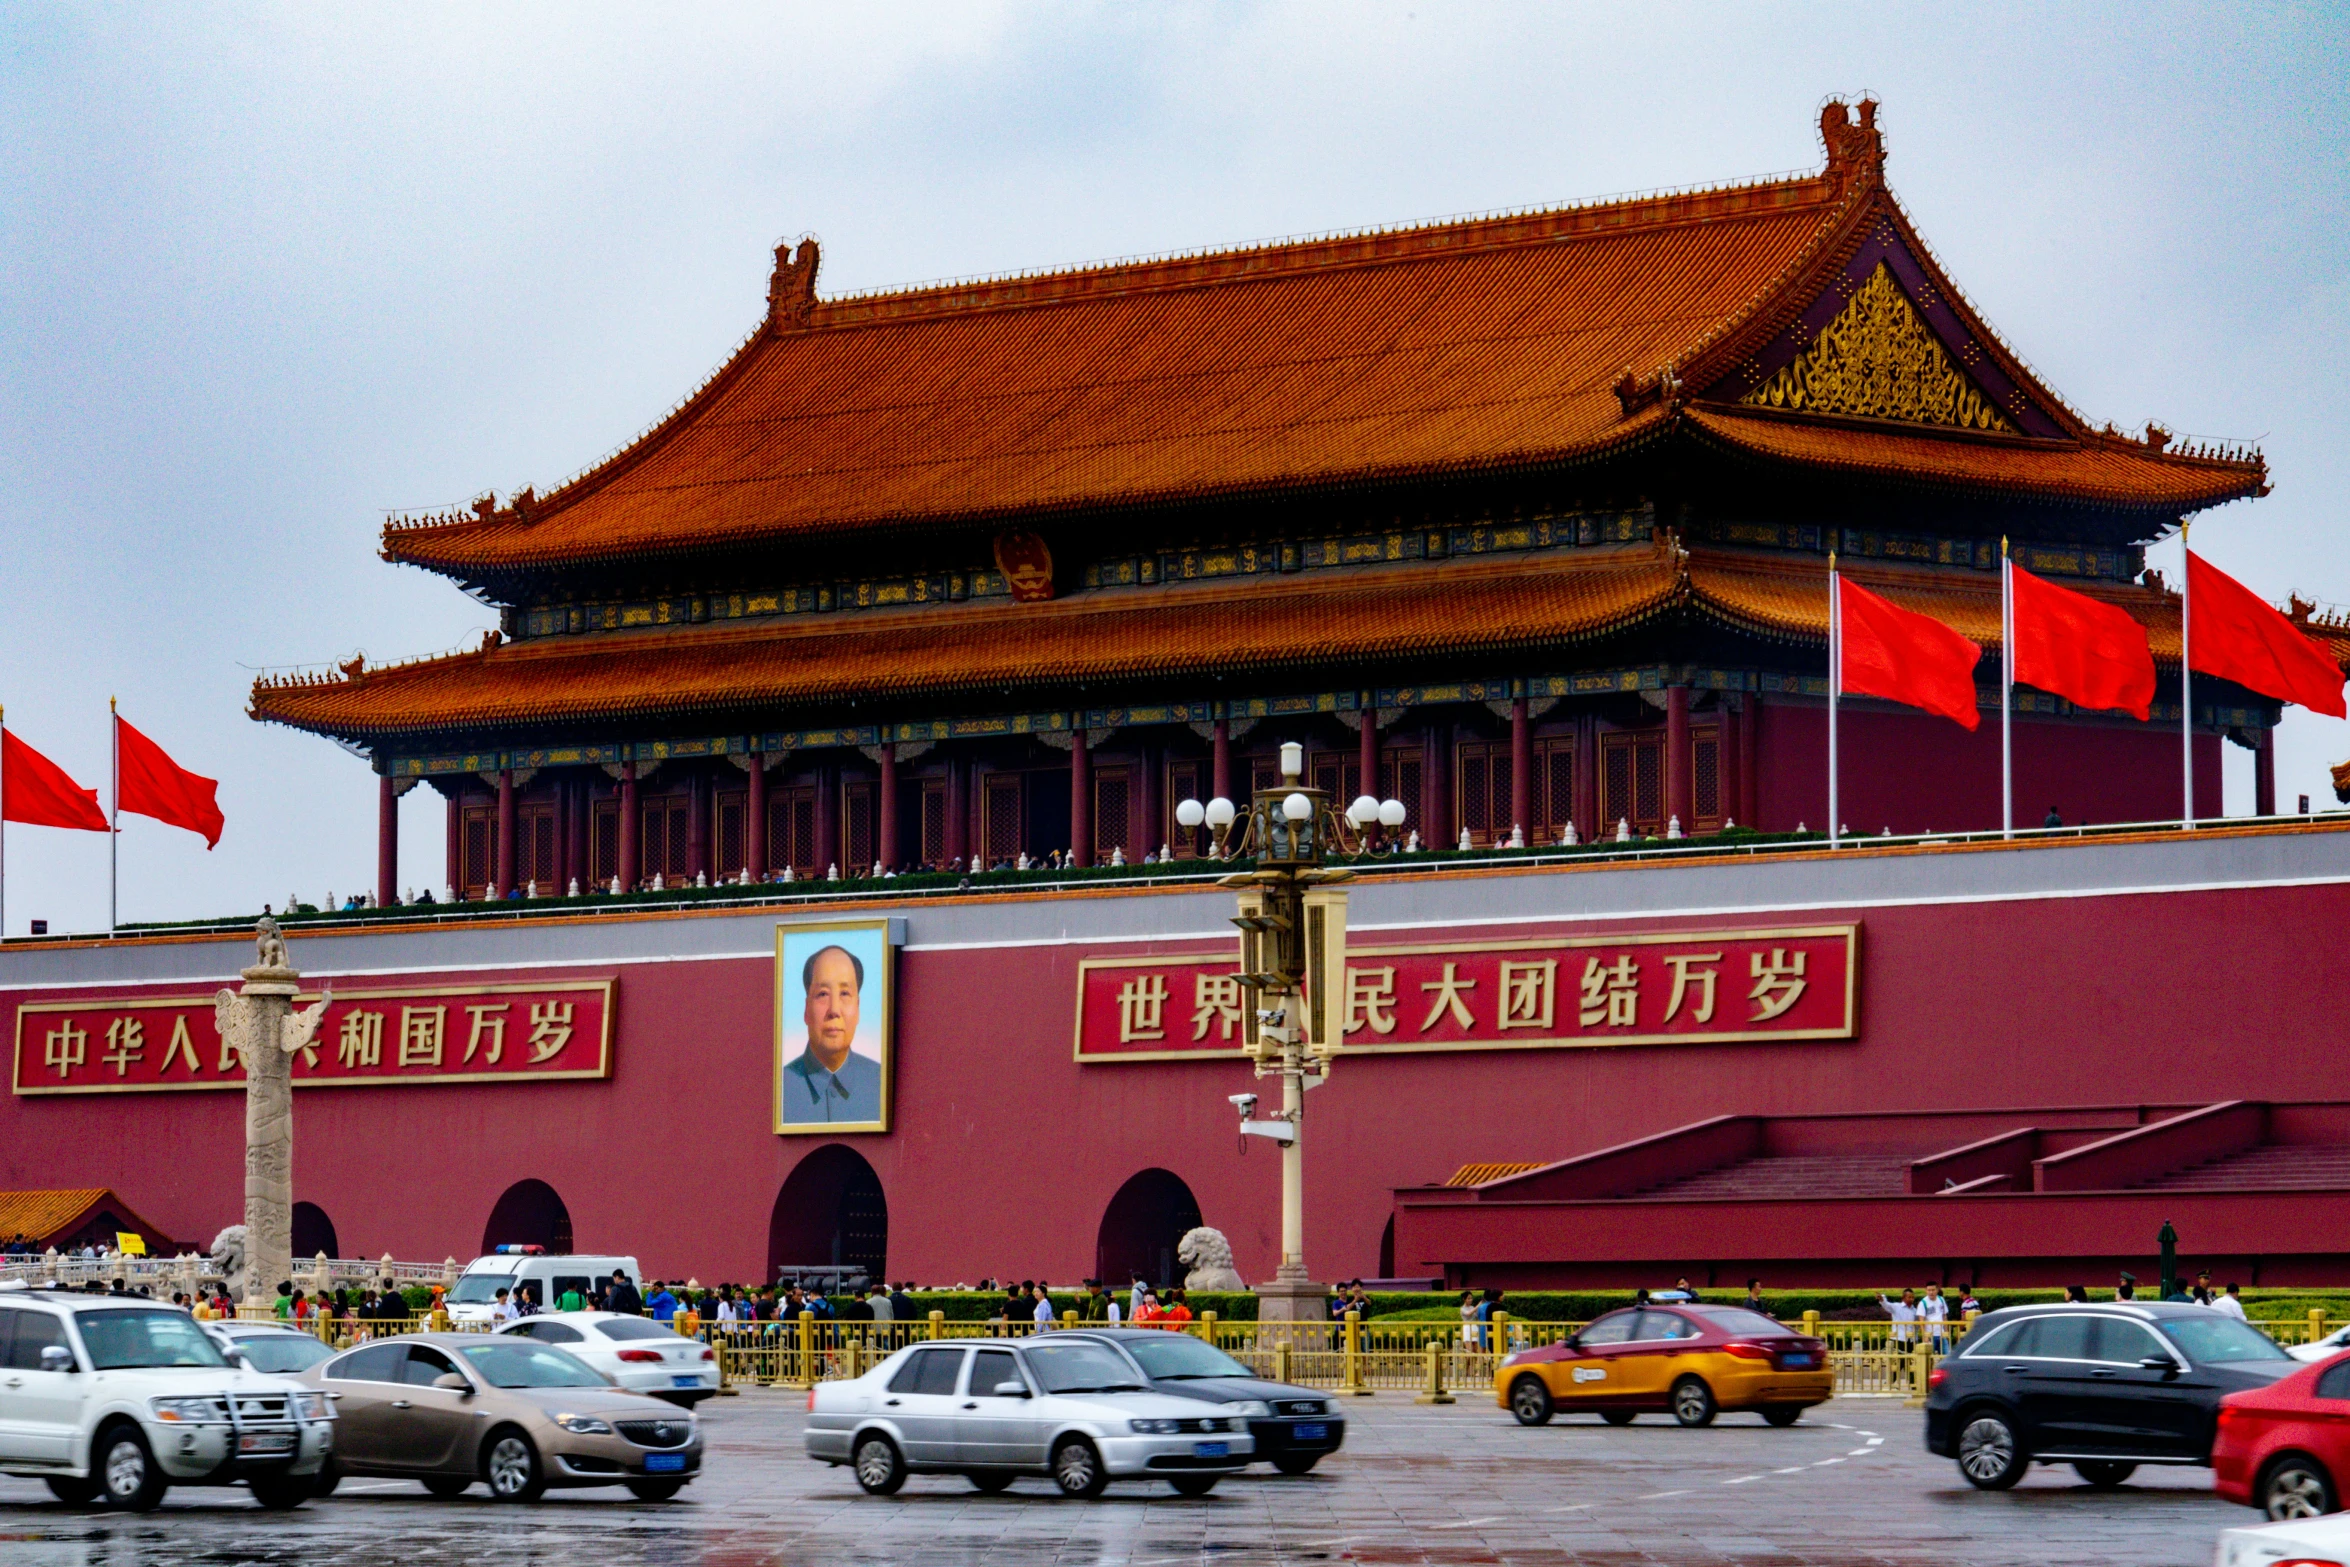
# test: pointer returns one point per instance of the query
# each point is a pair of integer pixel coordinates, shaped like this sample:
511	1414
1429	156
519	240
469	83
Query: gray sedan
1070	1408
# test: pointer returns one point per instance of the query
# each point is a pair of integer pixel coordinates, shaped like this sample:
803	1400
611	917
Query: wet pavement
1851	1484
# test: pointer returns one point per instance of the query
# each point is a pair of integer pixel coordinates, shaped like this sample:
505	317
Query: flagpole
2006	692
114	817
1835	681
2186	687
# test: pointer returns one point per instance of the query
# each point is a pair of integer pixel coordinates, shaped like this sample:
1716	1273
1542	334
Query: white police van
473	1301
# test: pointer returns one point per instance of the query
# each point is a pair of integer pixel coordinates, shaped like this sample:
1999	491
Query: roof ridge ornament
791	288
1855	147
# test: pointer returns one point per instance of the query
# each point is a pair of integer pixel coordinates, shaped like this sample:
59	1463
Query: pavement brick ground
1851	1484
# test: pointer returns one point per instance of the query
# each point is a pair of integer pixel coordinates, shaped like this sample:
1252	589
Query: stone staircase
1789	1176
2272	1167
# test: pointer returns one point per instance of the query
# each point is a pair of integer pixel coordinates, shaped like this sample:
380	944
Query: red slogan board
368	1039
1706	987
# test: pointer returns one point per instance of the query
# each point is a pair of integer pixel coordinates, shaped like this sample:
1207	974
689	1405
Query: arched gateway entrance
1141	1227
529	1214
314	1232
831	1213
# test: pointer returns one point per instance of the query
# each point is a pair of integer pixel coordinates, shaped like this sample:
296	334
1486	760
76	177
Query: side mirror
2162	1363
1011	1390
455	1383
56	1357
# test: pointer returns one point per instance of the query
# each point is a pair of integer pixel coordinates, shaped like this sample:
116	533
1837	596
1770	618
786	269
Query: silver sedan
1071	1409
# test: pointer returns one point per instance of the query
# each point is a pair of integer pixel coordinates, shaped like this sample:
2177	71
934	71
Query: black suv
2103	1387
1295	1427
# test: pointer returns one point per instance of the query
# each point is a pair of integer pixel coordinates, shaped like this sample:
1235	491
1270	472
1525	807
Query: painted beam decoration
369	1039
1677	988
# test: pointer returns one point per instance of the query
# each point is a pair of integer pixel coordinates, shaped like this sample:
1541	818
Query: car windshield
1080	1368
1735	1319
123	1340
625	1329
1178	1357
506	1364
479	1289
2215	1338
284	1353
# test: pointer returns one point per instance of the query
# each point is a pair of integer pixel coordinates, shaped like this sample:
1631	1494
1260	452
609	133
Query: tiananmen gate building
1523	521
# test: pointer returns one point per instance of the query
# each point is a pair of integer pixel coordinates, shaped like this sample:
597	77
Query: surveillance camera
1246	1102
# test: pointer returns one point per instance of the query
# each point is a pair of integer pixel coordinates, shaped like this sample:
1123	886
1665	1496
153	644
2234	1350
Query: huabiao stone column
260	1024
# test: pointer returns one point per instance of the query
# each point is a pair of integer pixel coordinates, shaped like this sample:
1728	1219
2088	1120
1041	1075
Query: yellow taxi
1693	1360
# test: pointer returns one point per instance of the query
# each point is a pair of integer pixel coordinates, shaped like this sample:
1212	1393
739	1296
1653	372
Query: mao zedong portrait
828	1081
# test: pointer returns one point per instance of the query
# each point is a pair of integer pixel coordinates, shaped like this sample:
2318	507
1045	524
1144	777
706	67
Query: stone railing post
938	1324
1353	1381
1432	1377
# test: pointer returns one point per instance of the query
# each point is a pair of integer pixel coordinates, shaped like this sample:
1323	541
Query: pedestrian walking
1043	1313
1934	1313
622	1296
2232	1303
1904	1313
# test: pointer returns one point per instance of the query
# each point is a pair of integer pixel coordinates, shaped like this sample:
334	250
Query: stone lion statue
1209	1257
228	1255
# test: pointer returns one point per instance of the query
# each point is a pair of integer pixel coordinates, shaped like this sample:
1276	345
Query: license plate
266	1442
1796	1360
685	1381
655	1463
1312	1433
1211	1449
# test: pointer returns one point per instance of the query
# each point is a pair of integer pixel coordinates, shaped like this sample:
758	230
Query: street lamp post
1292	923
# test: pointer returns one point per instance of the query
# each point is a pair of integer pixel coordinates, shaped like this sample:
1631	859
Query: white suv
116	1398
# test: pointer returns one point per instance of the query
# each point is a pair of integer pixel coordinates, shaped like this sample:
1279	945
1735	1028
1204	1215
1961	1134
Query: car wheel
990	1480
1297	1463
1530	1402
512	1468
655	1490
1988	1453
1077	1468
1618	1417
1693	1402
2104	1473
330	1475
281	1492
73	1490
129	1479
879	1468
1193	1485
447	1487
1782	1414
2296	1486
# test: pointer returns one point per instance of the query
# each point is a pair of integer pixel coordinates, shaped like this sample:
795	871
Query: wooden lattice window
1186	780
604	841
1338	774
1631	777
791	830
480	858
534	847
857	806
1705	794
1399	779
1484	770
933	850
734	851
667	822
1000	818
1113	813
1554	795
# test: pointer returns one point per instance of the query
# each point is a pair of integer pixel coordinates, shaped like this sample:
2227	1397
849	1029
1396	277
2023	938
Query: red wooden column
1220	783
1080	800
886	835
1680	766
828	819
387	842
755	823
505	871
563	866
632	829
1147	826
1436	825
1749	754
1586	786
1521	768
1369	762
578	867
1726	762
2264	774
455	869
697	825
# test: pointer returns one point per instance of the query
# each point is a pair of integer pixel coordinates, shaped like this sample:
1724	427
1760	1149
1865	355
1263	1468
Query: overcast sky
271	271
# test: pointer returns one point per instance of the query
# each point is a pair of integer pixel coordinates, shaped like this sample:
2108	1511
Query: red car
2285	1448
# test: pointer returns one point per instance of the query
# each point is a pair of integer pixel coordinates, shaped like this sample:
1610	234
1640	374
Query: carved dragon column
259	1023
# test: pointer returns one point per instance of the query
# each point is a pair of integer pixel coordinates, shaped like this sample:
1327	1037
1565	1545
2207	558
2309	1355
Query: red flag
37	792
1905	657
2090	653
2233	634
149	783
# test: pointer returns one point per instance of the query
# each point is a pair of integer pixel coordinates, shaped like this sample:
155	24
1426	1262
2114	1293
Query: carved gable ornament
1026	564
1878	360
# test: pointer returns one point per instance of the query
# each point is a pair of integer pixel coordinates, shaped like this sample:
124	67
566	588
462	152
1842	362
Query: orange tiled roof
2098	469
43	1215
985	651
1479	1174
1451	348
